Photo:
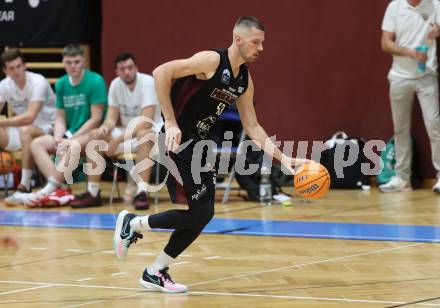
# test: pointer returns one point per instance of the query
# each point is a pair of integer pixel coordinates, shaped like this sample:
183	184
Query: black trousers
189	223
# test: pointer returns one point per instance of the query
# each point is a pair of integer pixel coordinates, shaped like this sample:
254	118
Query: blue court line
277	228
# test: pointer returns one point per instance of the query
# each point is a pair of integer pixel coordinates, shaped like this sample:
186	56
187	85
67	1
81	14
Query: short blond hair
248	22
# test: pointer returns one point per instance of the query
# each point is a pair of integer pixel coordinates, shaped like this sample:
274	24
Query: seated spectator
32	101
81	100
131	94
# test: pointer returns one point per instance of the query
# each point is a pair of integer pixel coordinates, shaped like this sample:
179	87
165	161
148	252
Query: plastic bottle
265	185
421	66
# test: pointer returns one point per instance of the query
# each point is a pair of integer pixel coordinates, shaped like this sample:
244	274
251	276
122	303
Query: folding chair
131	158
230	115
7	167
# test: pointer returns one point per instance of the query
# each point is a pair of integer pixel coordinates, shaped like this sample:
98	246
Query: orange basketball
312	181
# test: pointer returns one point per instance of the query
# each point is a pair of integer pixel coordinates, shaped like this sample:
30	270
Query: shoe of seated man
140	201
161	282
59	197
86	200
23	189
33	200
396	184
436	187
17	197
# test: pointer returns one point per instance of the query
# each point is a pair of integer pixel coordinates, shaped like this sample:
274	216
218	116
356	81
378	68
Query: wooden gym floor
350	249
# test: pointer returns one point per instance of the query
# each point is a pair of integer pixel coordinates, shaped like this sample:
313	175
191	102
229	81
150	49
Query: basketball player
205	85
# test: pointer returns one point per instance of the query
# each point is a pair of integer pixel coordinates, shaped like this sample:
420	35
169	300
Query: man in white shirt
32	100
407	26
131	94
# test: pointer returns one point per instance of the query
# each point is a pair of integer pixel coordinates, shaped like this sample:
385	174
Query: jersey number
220	108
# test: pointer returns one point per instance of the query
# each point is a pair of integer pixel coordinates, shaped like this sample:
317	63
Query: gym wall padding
322	69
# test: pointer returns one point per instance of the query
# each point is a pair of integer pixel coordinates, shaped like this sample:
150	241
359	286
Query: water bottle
265	185
421	66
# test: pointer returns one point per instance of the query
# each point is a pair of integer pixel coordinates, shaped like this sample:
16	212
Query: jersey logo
204	126
226	76
223	96
240	89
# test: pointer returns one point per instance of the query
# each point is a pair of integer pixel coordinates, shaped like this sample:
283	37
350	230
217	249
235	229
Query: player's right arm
202	64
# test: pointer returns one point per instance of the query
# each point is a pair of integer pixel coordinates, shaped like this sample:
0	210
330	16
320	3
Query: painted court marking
309	298
309	263
74	250
212	258
85	279
42	284
28	289
235	226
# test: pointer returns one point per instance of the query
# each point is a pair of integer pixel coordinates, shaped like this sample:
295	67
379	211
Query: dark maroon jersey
198	103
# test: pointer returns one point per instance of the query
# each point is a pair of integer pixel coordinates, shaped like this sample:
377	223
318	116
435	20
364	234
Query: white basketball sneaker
396	184
161	282
436	187
124	234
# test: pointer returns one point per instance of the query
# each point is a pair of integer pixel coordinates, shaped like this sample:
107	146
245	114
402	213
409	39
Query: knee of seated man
144	133
95	135
25	132
45	142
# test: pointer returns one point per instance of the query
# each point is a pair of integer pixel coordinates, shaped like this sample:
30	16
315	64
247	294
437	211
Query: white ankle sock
51	186
93	188
142	186
163	260
26	176
140	224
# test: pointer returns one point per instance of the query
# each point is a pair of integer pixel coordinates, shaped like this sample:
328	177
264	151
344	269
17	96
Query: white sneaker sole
62	200
389	190
12	202
155	288
117	241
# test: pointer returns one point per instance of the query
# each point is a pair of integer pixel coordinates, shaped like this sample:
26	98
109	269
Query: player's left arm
256	132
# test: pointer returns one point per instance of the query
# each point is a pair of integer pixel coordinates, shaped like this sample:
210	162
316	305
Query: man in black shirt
204	86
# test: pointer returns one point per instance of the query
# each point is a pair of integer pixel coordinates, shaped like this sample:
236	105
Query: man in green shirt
81	101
